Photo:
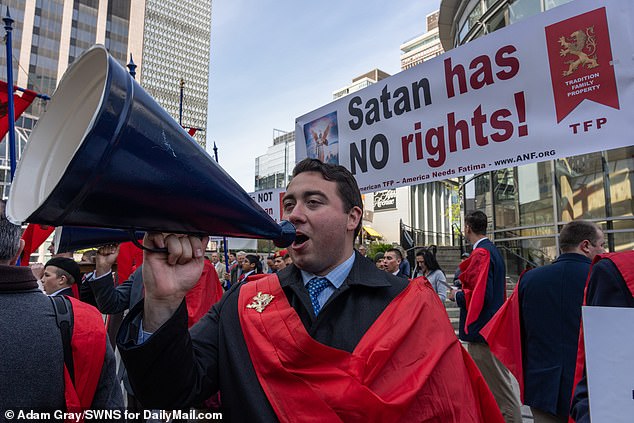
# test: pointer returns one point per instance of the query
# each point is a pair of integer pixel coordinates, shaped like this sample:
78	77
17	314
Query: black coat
175	368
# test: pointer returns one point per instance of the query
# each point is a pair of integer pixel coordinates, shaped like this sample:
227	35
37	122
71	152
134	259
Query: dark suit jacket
607	288
175	369
550	302
493	297
235	274
401	274
113	299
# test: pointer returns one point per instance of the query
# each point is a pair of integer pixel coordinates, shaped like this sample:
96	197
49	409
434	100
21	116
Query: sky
275	60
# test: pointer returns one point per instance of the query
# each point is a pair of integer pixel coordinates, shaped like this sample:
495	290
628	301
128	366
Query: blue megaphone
105	154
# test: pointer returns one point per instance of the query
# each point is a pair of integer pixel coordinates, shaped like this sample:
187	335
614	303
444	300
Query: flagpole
224	239
180	106
8	26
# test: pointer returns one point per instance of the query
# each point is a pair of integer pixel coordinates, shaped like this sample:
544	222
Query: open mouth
299	240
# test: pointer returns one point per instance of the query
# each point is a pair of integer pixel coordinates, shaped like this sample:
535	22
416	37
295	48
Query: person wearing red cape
329	338
535	333
611	284
483	277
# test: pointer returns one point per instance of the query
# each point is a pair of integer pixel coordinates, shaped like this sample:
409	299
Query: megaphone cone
105	154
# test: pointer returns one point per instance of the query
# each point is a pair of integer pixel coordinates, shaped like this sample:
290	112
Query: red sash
408	366
88	344
624	262
474	273
204	294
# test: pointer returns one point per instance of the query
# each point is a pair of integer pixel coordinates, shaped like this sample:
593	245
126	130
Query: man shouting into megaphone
328	338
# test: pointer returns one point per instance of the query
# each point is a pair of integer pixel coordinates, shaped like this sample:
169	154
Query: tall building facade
176	42
274	169
168	41
528	205
360	82
424	46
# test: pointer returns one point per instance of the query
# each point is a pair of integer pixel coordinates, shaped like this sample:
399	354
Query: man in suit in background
483	280
550	300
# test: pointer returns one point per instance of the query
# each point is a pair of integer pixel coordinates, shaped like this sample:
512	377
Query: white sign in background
491	104
271	201
609	347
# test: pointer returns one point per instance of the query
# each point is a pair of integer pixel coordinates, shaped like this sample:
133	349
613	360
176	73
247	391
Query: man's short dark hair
477	221
9	236
254	259
575	232
346	183
396	251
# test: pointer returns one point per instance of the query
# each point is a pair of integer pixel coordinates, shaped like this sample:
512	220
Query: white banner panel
271	201
558	84
609	343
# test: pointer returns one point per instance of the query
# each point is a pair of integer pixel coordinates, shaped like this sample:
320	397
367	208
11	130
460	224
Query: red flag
129	259
192	131
21	103
33	237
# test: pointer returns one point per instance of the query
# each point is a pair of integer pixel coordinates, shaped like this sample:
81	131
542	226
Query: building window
522	9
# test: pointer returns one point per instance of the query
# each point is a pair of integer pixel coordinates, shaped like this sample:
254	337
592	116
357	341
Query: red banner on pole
33	237
580	58
21	103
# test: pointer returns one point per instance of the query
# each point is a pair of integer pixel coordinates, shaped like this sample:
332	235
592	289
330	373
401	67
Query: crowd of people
316	331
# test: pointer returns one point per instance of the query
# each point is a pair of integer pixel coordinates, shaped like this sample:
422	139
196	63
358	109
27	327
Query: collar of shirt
478	242
56	293
396	273
336	275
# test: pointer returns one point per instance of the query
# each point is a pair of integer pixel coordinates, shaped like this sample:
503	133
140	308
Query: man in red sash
329	338
611	284
483	277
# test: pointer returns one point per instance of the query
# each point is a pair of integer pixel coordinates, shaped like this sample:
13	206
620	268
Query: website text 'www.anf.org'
526	157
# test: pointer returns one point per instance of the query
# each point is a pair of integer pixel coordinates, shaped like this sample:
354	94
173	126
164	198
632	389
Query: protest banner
558	84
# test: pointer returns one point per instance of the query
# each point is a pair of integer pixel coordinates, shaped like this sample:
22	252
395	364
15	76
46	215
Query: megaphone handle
132	233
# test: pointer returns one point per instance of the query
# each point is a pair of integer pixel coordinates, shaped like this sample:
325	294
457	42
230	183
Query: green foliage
377	248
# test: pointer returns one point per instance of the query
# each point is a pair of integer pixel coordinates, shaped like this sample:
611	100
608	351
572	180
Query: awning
371	232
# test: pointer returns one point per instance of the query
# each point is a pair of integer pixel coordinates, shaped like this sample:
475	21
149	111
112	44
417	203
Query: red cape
503	334
88	344
204	294
474	273
409	365
624	262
